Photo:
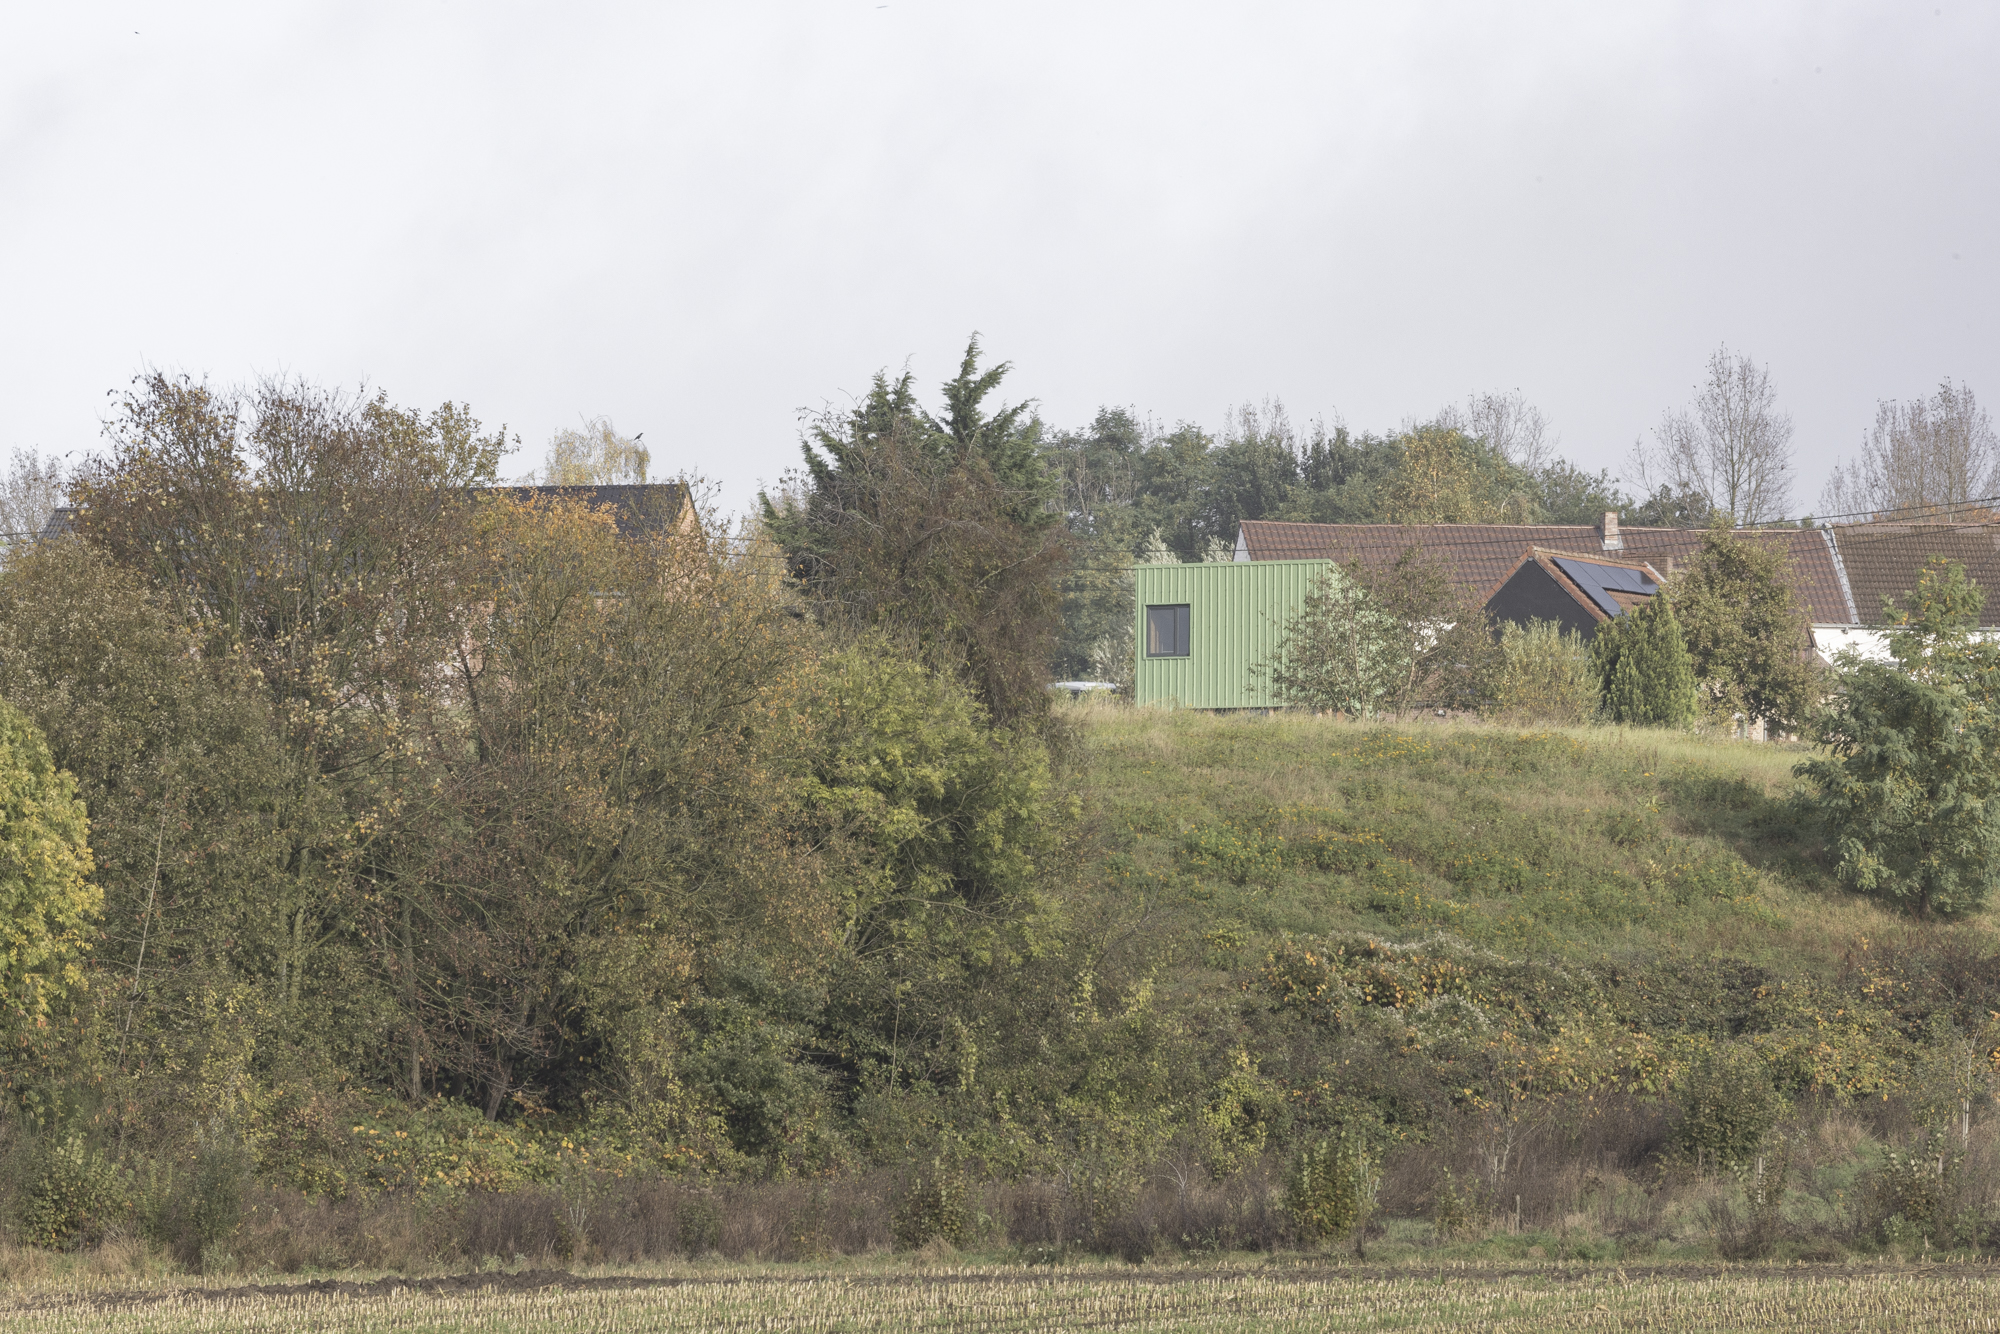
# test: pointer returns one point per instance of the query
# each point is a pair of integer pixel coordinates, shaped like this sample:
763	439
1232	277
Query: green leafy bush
1242	855
1916	1190
1727	1106
1340	652
193	1207
73	1194
931	1208
1908	790
1332	1191
1327	850
1544	675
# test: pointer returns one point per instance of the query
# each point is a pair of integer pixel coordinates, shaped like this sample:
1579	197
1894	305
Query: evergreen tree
941	531
1643	662
1096	470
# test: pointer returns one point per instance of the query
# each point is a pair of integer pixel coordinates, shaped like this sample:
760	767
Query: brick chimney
1608	530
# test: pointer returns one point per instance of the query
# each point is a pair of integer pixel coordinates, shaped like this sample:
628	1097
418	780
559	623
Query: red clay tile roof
1886	558
1480	555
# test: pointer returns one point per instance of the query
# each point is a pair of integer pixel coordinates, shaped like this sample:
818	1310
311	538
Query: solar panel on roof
1598	581
1476	556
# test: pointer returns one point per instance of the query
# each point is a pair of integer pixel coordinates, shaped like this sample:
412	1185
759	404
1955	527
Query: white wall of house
1868	642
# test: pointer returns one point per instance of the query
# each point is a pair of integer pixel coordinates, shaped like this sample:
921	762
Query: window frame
1183	625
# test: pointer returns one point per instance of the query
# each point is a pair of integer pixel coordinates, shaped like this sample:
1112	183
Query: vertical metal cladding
1237	613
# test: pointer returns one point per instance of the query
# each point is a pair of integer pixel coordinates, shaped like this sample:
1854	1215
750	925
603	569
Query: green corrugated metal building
1203	629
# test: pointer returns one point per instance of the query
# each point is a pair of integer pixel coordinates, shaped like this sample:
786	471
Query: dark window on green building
1167	632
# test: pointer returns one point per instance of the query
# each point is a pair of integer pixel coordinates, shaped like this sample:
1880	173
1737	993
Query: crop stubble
1958	1298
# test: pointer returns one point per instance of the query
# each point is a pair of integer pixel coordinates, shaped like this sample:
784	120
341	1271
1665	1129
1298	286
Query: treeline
408	798
1129	491
398	867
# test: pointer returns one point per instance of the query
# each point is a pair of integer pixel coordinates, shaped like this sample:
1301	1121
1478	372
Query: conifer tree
1642	659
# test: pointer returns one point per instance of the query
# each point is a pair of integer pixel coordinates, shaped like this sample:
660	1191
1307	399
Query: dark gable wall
1533	595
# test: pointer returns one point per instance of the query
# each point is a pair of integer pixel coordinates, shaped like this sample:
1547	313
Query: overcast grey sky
699	219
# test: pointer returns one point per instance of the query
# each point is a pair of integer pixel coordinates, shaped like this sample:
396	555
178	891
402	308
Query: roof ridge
1598	558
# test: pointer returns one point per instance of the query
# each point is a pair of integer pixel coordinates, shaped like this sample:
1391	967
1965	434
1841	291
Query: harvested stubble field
1545	1299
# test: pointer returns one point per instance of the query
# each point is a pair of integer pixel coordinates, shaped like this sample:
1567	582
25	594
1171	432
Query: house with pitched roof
1480	556
1840	573
1203	629
1578	591
1883	560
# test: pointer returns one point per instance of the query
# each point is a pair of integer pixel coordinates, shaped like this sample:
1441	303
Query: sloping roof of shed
1601	585
1479	555
1602	580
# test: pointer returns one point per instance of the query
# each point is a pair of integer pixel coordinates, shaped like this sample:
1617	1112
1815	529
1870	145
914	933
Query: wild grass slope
1561	843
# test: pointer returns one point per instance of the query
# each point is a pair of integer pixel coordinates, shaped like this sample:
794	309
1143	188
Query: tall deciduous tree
1919	458
318	539
1342	478
46	897
1446	476
1565	493
1732	445
606	788
1508	424
29	494
1909	787
1096	472
175	755
1668	508
596	455
1176	488
1750	640
1256	469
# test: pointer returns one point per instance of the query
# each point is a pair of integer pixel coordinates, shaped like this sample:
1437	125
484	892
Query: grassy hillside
1579	843
1596	982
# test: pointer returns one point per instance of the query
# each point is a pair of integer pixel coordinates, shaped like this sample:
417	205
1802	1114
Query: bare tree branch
1732	447
1920	457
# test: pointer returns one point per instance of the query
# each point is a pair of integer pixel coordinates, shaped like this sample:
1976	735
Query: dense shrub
1333	1186
1727	1106
73	1193
1908	791
1545	675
